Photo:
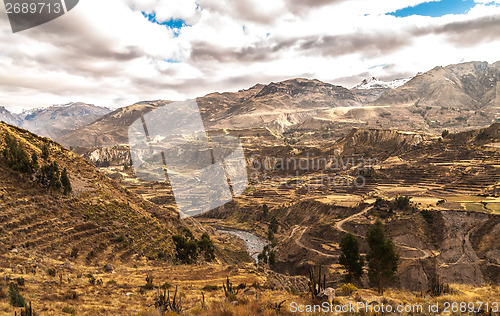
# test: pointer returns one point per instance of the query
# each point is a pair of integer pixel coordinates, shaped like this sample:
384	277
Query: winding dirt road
339	226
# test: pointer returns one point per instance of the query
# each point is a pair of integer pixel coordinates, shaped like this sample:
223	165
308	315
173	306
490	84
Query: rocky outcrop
386	142
105	156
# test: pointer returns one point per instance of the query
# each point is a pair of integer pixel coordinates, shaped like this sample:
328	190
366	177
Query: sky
117	52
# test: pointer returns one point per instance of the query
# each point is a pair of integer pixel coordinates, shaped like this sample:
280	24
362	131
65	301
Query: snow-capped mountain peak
375	83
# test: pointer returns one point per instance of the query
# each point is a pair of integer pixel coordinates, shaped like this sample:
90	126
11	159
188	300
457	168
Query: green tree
186	247
66	184
34	161
273	225
350	258
382	258
207	247
265	211
402	202
263	256
49	176
45	152
16	156
272	258
270	235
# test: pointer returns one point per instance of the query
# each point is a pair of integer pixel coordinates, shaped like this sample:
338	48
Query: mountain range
54	121
455	97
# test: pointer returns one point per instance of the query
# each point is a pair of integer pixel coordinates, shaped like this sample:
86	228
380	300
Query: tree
45	152
445	133
382	258
265	211
66	184
272	258
49	176
270	235
186	247
34	161
16	156
207	247
273	225
402	202
350	258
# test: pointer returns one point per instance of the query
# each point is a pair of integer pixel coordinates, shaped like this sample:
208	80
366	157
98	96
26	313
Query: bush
445	133
16	299
69	310
402	202
149	283
209	287
74	252
348	289
187	246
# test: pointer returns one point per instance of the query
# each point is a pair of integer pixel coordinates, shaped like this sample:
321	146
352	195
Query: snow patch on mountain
375	83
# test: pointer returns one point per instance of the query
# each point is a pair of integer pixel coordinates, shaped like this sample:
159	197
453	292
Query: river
253	243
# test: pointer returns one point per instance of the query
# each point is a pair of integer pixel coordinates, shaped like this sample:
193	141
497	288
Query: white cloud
107	53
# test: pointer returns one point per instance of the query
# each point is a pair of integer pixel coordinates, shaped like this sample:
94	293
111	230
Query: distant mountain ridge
376	83
456	97
55	121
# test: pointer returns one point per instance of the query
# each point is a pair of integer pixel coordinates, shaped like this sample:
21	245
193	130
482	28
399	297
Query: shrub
149	283
74	252
209	287
51	272
348	289
16	299
402	202
69	310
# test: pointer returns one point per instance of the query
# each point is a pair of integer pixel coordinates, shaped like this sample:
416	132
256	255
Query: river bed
253	243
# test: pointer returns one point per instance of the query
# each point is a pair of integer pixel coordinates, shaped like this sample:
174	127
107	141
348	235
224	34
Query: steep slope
100	219
58	120
470	85
110	129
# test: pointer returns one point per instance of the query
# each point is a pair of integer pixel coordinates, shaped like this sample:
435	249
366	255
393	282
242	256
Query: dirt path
339	226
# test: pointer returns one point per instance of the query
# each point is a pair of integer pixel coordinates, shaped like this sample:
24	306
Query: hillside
455	97
276	105
111	129
101	219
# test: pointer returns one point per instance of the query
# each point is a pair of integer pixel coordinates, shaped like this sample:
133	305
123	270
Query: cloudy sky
116	52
